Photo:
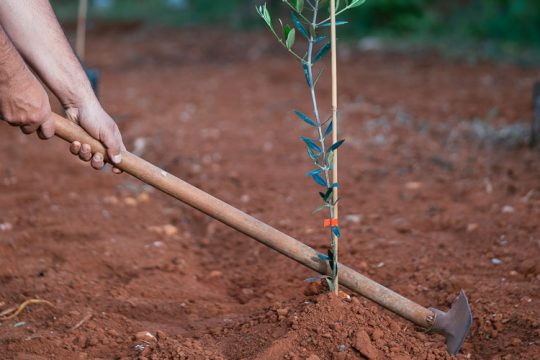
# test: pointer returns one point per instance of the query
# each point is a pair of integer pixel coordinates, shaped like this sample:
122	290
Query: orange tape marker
330	222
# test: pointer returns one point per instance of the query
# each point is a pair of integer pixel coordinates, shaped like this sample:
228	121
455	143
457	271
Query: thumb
112	139
46	130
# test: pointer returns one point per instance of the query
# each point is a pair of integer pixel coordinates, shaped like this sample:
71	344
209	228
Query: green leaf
323	257
305	118
355	3
328	129
338	23
311	144
330	284
326	196
316	171
315	278
289	42
286	30
263	12
298	5
312	154
319	39
299	25
323	51
319	180
320	208
306	73
335	146
318	77
330	159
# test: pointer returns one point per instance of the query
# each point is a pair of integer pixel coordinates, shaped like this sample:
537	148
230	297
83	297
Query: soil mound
320	327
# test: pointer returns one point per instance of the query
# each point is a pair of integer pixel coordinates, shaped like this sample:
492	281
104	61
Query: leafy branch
305	17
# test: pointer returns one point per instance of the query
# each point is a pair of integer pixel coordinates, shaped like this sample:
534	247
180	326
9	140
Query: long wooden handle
250	226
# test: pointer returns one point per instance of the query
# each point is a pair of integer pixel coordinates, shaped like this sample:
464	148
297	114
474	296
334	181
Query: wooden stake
333	44
80	43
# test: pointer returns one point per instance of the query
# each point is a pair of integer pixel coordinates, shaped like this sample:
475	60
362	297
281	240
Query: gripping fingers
46	130
97	161
75	147
30	128
86	152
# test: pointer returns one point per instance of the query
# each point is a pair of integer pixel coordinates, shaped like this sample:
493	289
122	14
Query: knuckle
36	118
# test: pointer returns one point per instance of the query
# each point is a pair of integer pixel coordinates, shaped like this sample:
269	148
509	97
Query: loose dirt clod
145	336
167	229
363	345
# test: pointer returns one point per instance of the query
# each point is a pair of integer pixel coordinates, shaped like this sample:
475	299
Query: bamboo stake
333	44
80	42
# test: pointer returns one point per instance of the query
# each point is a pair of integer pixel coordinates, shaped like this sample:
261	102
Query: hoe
453	324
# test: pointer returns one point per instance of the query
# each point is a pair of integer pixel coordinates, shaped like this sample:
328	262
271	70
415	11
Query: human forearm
11	62
23	101
35	32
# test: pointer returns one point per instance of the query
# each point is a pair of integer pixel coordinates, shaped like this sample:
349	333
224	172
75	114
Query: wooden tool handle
250	226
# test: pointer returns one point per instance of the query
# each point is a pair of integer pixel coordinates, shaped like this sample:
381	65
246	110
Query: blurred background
490	28
440	187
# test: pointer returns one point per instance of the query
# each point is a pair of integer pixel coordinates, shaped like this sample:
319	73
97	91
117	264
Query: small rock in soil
353	218
167	229
377	334
145	336
143	198
507	209
529	266
282	313
413	185
6	227
402	226
363	344
160	335
111	200
130	201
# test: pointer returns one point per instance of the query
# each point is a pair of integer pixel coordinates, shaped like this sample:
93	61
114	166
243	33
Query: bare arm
23	101
35	32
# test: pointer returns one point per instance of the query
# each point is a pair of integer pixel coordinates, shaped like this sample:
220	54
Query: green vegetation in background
176	13
515	21
506	21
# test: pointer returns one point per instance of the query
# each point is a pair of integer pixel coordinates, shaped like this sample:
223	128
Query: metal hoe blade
454	324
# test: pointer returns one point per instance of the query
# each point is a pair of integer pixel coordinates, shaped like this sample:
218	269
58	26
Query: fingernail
117	158
97	157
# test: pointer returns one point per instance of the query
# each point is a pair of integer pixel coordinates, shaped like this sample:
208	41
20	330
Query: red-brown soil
428	208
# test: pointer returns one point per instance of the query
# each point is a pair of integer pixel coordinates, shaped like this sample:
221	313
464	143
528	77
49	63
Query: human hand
24	103
92	118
